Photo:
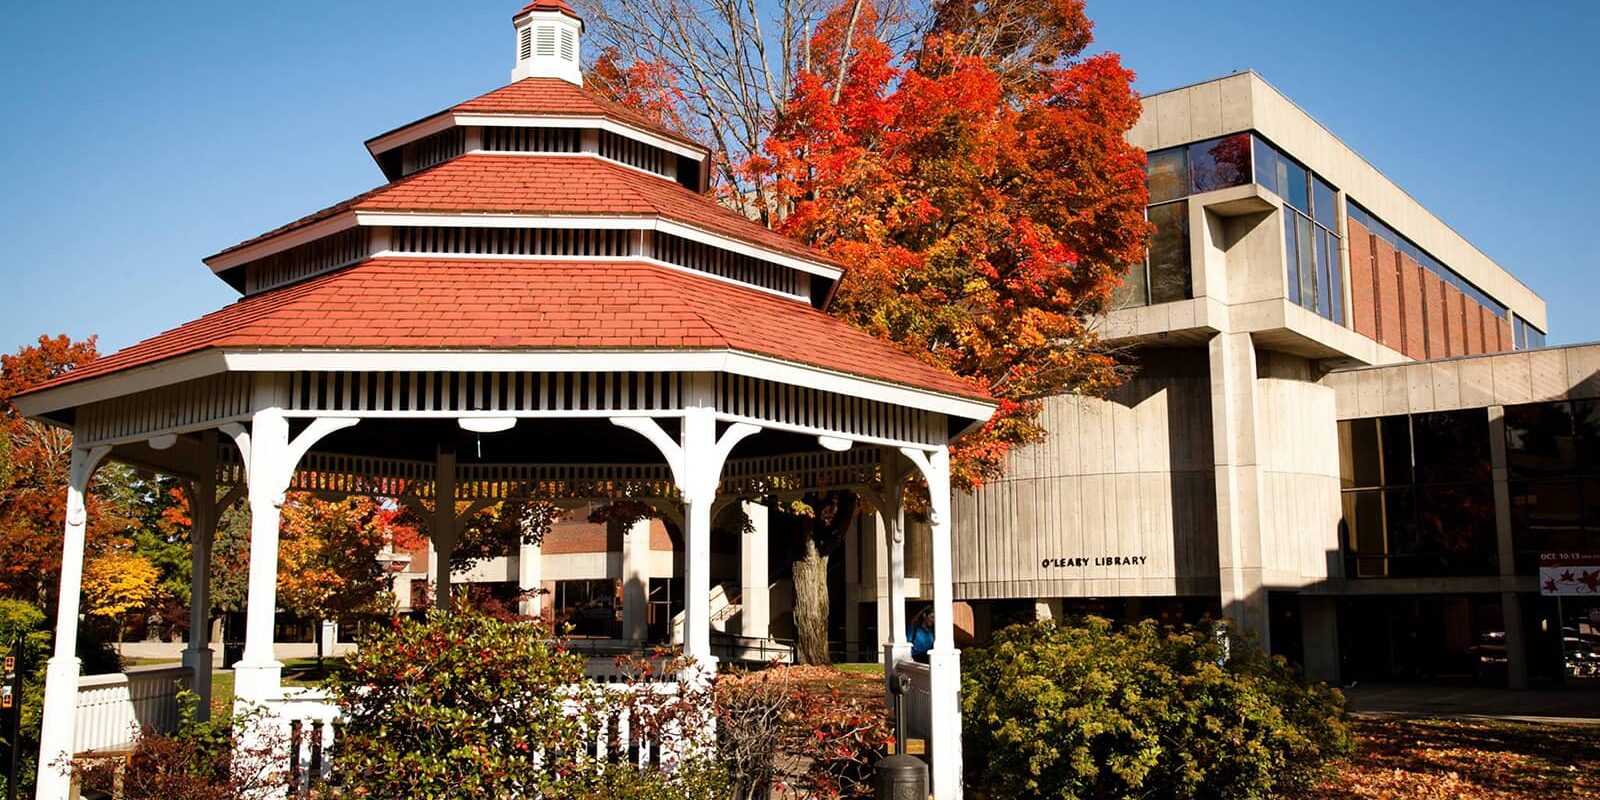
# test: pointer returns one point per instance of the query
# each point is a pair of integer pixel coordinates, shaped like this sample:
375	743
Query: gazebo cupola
549	42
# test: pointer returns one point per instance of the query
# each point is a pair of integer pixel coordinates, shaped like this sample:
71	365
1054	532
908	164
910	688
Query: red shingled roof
566	185
420	304
549	5
559	97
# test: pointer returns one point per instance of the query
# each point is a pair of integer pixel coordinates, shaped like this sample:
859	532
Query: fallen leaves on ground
1436	759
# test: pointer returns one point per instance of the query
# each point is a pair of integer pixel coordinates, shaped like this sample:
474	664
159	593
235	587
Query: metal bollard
901	776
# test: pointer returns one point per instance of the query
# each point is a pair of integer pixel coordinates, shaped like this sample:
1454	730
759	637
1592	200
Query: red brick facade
1411	308
1391	328
1363	315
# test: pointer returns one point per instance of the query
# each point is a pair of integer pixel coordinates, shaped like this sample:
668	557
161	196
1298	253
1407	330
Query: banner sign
1569	574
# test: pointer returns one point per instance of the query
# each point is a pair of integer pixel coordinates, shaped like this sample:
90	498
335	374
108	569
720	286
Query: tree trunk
811	606
319	646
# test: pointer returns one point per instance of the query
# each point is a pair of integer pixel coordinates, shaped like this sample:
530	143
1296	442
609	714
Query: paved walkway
1576	704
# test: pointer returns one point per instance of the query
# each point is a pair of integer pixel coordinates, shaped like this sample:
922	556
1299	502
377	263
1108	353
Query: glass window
1308	263
1169	253
1295	189
1396	432
1539	440
1360	461
1327	212
1586	430
1336	272
1168	173
1365	537
1266	164
1134	290
1220	163
1455	531
1451	446
1545	516
1291	256
1324	279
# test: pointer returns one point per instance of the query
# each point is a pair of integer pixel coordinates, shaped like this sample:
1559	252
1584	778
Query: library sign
1569	574
1094	561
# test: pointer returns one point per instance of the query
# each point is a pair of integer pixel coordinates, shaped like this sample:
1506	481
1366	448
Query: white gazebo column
270	457
61	675
755	604
443	527
636	580
891	518
203	514
944	661
696	461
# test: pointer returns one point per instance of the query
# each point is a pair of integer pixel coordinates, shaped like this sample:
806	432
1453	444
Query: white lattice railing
112	708
309	721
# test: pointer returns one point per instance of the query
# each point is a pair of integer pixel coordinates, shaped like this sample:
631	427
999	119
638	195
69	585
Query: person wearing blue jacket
921	635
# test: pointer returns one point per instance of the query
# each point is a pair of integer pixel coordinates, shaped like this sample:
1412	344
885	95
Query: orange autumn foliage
983	200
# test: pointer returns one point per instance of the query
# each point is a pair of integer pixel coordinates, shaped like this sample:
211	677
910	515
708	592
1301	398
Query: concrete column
1233	421
755	605
61	674
198	656
1319	637
636	581
443	528
1510	606
1516	641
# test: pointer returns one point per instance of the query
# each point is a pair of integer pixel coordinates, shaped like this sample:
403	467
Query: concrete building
1290	292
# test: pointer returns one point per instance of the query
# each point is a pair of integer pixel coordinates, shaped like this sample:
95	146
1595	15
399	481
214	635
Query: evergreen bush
1088	711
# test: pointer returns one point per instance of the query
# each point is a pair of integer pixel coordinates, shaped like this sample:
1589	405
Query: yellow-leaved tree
117	584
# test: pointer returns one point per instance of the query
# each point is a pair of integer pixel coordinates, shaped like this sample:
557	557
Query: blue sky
140	138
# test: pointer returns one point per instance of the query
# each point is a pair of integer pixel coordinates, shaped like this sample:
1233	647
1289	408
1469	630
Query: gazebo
541	302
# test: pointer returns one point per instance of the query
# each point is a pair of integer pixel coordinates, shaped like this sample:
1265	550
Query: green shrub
463	705
1090	712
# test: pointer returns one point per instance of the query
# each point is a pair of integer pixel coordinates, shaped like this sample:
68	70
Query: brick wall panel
575	537
1433	315
1390	331
1363	302
1474	319
1456	317
1504	326
1411	307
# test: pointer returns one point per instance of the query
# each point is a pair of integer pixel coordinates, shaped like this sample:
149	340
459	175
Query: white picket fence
309	721
112	708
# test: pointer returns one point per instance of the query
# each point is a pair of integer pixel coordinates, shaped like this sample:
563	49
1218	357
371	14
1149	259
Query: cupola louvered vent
728	264
514	242
313	258
549	44
569	46
636	154
544	41
524	44
432	150
532	140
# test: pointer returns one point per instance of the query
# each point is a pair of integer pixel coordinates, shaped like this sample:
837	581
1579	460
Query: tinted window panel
1308	262
1327	212
1455	531
1451	446
1169	253
1291	257
1539	440
1168	175
1266	164
1220	163
1547	516
1396	442
1336	273
1360	459
1134	290
1295	190
1586	430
